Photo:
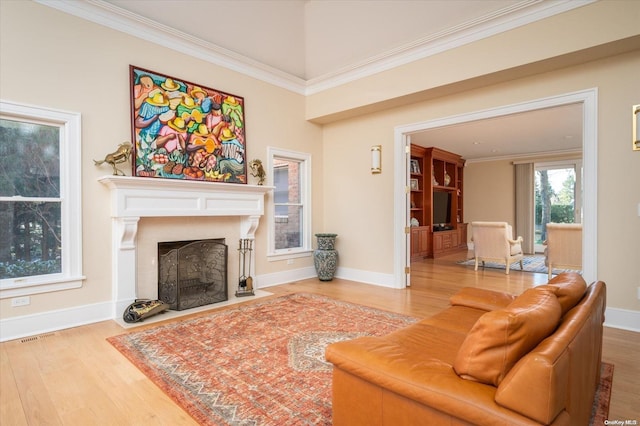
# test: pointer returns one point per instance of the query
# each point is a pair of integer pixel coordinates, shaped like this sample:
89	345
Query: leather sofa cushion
500	338
480	298
569	288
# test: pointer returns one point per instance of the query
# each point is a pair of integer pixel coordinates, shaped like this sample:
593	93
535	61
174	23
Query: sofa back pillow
500	338
569	288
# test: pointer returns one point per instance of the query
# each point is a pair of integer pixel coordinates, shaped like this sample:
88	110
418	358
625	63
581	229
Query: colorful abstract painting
186	131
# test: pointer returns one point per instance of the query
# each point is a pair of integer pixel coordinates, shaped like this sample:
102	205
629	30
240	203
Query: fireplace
192	273
133	198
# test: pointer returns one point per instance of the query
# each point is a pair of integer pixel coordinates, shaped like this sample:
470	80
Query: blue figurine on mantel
325	257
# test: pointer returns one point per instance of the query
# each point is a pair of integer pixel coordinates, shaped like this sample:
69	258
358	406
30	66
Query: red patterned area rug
600	410
263	363
257	364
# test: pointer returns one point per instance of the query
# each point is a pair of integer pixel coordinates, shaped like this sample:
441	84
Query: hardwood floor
75	376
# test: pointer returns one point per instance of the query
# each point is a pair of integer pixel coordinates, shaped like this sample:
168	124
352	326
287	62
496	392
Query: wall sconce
636	128
376	159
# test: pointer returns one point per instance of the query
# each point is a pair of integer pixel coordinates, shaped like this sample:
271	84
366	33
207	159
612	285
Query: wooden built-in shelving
435	172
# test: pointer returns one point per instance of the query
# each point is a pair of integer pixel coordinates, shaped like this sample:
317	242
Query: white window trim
71	202
305	185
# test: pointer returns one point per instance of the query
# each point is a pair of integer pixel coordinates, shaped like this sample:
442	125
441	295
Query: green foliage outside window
553	206
30	201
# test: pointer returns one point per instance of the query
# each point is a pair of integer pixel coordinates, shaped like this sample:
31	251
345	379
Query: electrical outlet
638	293
20	301
289	261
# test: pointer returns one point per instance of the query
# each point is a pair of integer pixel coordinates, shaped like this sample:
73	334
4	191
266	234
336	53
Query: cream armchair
493	241
564	246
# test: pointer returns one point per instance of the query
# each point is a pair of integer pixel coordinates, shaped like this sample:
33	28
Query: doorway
402	140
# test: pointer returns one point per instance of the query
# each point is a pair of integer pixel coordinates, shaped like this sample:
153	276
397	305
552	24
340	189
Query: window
558	196
290	229
40	192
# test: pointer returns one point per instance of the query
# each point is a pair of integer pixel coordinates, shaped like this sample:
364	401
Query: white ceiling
315	40
543	131
312	38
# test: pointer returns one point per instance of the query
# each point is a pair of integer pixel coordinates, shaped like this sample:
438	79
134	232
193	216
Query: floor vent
34	338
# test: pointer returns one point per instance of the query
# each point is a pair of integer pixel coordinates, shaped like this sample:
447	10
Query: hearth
192	273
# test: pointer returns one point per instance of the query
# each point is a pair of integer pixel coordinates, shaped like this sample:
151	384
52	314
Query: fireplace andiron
245	284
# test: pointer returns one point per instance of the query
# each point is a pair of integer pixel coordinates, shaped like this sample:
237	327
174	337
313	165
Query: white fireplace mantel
136	197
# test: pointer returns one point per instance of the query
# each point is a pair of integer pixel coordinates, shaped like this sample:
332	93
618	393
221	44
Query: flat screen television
441	208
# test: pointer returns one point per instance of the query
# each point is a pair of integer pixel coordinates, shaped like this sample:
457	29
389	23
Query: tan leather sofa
489	359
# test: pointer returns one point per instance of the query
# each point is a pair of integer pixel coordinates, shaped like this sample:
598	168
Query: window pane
289	228
554	198
32	232
29	159
281	193
287	181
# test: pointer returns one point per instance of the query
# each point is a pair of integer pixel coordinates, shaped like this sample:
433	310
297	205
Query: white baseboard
367	277
284	277
46	322
624	319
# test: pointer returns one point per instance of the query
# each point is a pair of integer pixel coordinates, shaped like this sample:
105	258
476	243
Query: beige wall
347	142
489	192
83	67
74	65
558	41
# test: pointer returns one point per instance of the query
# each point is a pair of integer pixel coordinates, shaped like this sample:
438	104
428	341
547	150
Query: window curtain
525	205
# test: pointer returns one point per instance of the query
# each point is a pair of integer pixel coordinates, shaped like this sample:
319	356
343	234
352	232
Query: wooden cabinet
420	242
437	193
418	184
451	241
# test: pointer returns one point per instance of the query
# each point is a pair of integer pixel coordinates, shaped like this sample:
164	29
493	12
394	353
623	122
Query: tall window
558	196
290	230
40	217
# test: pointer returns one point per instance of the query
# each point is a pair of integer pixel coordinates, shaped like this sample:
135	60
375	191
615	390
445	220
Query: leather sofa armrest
478	298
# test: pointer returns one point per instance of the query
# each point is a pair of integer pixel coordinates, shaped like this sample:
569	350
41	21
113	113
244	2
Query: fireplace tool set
245	284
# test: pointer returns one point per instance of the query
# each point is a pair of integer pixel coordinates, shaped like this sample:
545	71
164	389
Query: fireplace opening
192	273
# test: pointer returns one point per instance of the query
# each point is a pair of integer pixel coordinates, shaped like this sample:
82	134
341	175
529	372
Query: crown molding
108	15
520	14
522	158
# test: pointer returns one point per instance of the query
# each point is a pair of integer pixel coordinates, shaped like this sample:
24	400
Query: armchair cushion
500	338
